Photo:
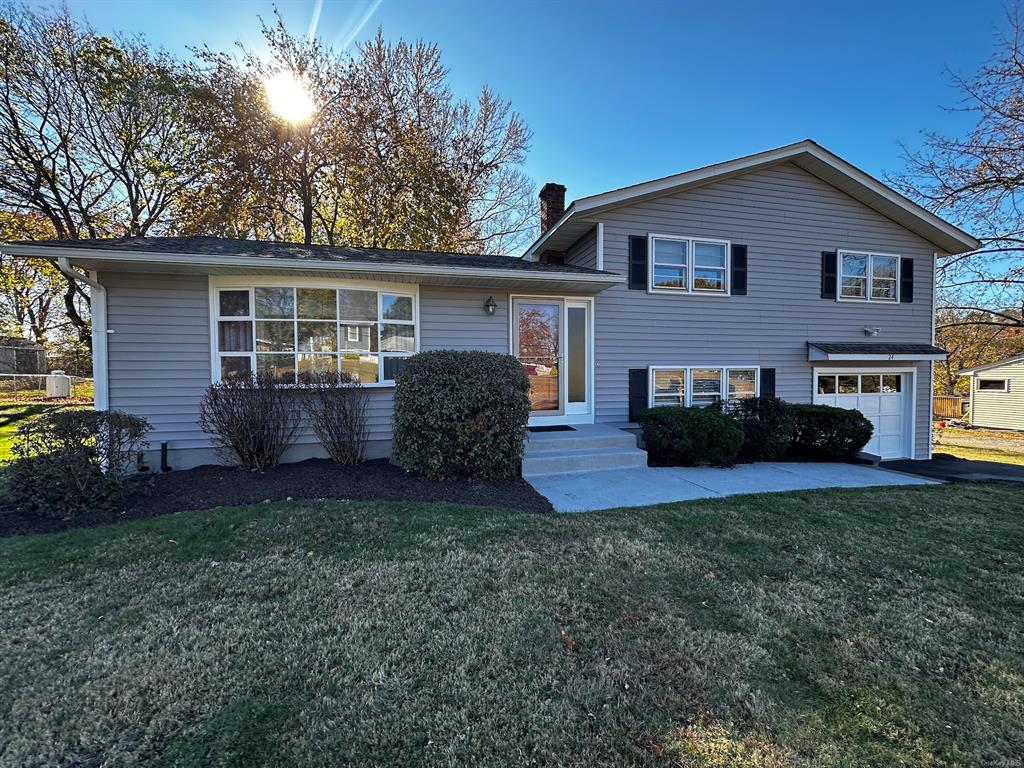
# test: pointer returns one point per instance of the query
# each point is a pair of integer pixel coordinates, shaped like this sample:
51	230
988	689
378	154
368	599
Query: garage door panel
869	404
890	424
891	404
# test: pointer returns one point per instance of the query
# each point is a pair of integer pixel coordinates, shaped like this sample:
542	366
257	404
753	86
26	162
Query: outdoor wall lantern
490	305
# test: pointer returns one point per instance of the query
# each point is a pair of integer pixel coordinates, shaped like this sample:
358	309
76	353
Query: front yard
1003	446
874	627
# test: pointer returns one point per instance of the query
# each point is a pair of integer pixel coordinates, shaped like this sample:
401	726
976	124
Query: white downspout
98	309
931	370
599	250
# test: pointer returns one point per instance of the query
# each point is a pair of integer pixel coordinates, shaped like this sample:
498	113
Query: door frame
910	379
561	417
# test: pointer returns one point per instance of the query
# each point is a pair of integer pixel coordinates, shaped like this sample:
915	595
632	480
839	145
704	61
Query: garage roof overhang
550	280
868	351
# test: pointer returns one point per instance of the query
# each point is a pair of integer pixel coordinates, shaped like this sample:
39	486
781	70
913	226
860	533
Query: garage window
992	385
863	384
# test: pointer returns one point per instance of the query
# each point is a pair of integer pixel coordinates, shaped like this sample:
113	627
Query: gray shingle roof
877	348
262	249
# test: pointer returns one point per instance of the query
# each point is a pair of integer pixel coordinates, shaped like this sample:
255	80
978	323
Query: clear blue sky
617	93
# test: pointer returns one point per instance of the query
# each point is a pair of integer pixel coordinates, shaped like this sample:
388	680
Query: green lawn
837	628
11	416
981	454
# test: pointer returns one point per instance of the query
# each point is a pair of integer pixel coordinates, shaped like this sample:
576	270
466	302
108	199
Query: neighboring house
788	272
997	393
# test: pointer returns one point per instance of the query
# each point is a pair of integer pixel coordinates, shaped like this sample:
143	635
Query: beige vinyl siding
1001	410
786	217
159	355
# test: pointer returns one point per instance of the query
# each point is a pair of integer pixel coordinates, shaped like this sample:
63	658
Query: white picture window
868	276
689	264
701	385
292	332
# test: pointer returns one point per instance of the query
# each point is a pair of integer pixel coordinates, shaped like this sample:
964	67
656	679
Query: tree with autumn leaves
106	136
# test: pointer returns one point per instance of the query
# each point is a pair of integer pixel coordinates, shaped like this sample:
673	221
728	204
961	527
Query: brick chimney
552	205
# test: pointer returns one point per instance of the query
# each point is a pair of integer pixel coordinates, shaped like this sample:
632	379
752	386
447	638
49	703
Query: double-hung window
689	264
701	386
293	332
868	276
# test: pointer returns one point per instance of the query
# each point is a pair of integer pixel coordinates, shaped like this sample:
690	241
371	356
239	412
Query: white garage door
882	396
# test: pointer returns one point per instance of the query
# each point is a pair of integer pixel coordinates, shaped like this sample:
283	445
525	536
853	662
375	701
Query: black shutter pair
638	389
638	266
830	277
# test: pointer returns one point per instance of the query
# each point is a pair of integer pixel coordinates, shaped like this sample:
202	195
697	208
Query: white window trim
1005	388
689	289
871	258
249	283
688	393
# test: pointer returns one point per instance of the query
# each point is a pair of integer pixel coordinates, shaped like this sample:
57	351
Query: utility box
58	385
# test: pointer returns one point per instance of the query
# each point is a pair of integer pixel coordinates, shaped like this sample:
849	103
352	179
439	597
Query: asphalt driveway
640	486
942	466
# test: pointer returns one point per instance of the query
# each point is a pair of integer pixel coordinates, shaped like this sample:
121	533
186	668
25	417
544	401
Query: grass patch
13	415
981	454
848	628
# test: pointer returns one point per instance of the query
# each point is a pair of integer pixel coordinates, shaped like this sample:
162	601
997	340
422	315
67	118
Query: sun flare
288	97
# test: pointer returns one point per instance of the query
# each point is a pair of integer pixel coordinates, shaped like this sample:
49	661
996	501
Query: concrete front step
543	442
588	459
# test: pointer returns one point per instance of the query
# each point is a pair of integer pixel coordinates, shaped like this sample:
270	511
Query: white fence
44	386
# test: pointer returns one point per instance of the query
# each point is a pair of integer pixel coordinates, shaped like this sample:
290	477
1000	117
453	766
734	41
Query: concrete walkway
639	486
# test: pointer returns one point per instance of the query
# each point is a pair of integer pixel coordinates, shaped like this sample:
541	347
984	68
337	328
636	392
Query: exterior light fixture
490	305
871	331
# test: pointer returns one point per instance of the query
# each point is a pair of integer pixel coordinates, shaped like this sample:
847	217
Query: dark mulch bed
214	486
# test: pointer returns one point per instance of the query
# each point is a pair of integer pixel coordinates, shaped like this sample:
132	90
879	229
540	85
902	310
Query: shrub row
253	419
753	429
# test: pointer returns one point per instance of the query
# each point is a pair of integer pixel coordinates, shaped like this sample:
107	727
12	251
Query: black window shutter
767	382
637	391
739	271
828	274
638	263
906	281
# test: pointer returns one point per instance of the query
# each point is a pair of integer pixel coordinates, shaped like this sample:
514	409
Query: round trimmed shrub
689	436
461	414
767	424
827	433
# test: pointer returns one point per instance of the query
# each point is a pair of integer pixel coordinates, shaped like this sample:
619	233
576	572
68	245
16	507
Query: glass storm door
577	357
551	338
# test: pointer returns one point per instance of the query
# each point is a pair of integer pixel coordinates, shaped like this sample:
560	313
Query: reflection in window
291	333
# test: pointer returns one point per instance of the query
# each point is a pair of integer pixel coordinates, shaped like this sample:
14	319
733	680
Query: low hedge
753	429
461	414
690	436
827	433
768	426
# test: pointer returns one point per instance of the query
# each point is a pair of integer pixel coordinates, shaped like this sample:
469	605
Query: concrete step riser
567	444
552	464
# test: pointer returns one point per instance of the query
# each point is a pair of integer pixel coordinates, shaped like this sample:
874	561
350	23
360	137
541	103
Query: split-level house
788	273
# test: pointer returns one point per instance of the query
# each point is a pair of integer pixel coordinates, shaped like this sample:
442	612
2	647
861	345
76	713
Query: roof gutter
199	259
98	310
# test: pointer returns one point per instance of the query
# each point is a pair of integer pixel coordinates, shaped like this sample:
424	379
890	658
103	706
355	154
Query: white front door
884	397
552	337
